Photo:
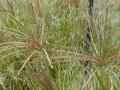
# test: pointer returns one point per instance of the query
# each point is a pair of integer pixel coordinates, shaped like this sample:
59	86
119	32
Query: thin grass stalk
26	62
48	58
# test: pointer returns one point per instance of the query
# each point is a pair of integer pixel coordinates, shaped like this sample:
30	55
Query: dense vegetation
42	45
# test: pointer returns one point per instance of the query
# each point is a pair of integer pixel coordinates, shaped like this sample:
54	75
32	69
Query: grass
42	45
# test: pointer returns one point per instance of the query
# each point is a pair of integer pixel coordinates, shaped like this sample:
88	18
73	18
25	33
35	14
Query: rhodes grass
42	45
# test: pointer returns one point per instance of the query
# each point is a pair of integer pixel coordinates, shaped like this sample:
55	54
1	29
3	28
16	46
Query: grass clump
42	45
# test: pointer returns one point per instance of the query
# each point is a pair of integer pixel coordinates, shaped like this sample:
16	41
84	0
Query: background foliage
42	45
